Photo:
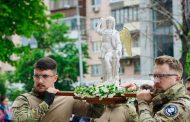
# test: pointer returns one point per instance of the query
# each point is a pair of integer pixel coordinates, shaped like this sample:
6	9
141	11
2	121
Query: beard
157	89
38	93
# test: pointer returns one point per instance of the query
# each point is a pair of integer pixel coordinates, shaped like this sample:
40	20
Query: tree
23	17
182	29
2	84
55	44
24	68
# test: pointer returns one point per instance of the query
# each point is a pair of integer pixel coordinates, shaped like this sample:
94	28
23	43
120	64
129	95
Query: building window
71	23
60	4
163	45
136	42
163	31
94	22
127	14
96	70
96	2
137	66
96	46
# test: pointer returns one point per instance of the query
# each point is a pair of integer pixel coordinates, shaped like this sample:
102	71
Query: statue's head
110	22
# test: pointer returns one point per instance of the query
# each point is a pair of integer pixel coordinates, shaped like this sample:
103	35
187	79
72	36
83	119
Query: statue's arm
98	28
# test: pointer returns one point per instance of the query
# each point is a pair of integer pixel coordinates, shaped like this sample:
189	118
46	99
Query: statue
111	50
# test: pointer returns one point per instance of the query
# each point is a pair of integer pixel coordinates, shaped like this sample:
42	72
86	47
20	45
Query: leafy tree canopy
55	44
22	17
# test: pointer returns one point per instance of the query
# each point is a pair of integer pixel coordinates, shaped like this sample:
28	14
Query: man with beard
170	103
41	104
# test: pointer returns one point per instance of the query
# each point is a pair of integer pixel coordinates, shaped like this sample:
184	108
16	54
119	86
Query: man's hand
52	90
144	95
129	86
50	95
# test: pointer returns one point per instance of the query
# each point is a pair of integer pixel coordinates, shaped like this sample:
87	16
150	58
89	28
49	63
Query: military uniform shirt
171	106
28	107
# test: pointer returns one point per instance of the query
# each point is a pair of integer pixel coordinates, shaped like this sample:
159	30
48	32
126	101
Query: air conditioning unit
96	9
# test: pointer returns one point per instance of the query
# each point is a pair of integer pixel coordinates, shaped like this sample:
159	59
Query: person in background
170	103
5	111
187	86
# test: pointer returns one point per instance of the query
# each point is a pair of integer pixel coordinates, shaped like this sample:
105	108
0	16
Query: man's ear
56	78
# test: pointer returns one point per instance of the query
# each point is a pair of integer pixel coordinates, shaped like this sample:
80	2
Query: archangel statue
111	49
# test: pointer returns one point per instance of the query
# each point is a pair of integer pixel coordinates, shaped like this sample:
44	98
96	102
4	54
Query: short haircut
173	63
187	80
46	64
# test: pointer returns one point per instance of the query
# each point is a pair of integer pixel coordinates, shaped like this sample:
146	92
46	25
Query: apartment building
69	8
157	34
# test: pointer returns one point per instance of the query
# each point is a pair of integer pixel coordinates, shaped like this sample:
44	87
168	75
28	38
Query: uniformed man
187	86
41	104
170	104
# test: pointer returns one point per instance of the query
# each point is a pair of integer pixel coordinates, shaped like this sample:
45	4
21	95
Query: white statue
110	49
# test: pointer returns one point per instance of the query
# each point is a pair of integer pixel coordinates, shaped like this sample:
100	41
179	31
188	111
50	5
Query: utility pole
79	43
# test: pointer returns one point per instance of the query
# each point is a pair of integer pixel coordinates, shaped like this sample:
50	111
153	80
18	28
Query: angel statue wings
111	49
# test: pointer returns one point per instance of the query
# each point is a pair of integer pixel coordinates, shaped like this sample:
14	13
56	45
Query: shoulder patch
170	110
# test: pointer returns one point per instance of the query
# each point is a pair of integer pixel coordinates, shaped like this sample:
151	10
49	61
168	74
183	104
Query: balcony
115	1
62	4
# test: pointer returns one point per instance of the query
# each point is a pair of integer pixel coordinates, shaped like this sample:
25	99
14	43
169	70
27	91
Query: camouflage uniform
171	106
119	113
29	107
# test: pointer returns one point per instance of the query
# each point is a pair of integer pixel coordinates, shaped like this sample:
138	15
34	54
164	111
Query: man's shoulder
175	111
177	108
183	100
20	100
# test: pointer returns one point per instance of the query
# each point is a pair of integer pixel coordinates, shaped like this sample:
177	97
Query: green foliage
2	84
27	18
24	67
6	49
68	64
23	17
101	91
60	48
187	65
56	16
13	93
55	34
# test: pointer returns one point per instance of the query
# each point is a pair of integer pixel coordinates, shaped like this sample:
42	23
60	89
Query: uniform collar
170	94
37	93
